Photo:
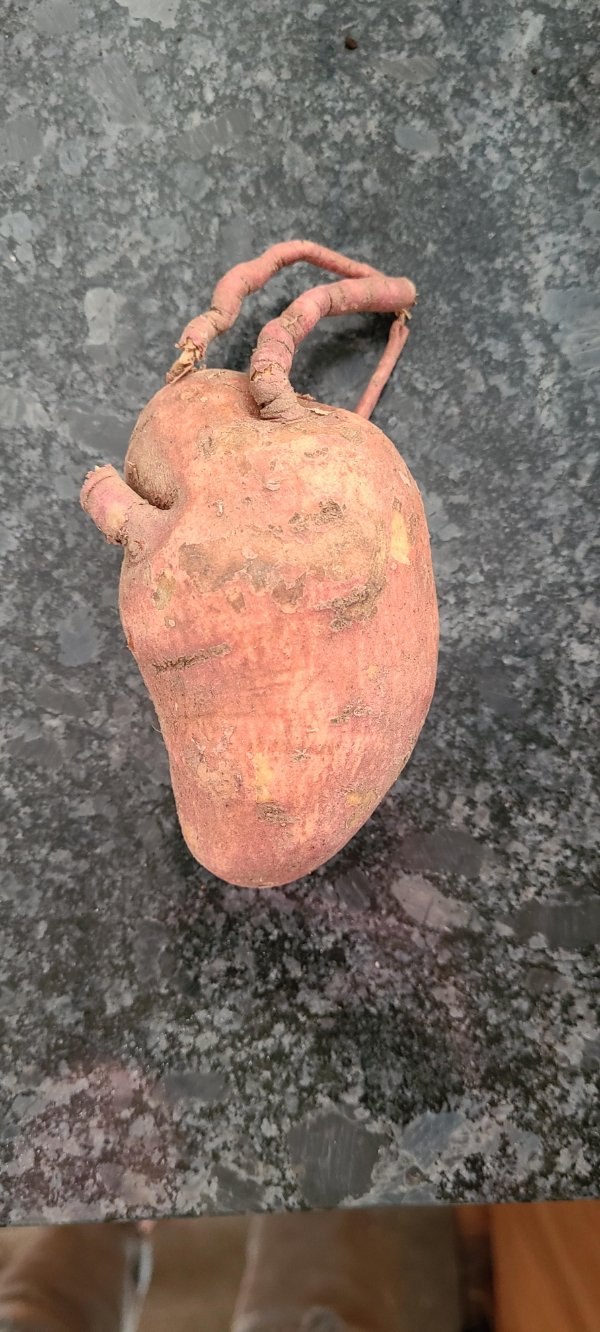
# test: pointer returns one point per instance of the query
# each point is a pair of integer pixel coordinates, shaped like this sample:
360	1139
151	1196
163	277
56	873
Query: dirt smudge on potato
356	799
289	594
204	654
329	511
165	587
320	546
351	710
273	813
210	565
353	436
260	573
361	604
206	444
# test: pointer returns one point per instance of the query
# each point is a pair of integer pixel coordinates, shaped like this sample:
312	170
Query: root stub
361	289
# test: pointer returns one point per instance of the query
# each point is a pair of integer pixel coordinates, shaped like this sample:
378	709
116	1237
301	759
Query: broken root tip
190	356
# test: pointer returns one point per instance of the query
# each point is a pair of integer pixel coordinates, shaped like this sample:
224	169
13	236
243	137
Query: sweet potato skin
280	604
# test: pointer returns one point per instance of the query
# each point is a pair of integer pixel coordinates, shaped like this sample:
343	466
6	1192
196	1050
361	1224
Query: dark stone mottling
333	1158
419	1021
187	1085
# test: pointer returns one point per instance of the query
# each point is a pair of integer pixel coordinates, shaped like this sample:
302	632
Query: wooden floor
198	1266
197	1270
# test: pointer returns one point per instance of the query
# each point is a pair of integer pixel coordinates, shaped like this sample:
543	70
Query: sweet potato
277	589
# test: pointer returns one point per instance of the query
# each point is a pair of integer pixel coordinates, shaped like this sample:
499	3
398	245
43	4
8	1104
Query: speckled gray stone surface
419	1020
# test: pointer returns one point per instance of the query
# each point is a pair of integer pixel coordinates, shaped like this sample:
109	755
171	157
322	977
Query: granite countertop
418	1020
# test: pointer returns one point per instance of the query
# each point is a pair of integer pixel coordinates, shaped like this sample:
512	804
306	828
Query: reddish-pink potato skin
283	615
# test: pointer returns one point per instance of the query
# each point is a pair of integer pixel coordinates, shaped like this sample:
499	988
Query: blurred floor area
198	1267
511	1268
